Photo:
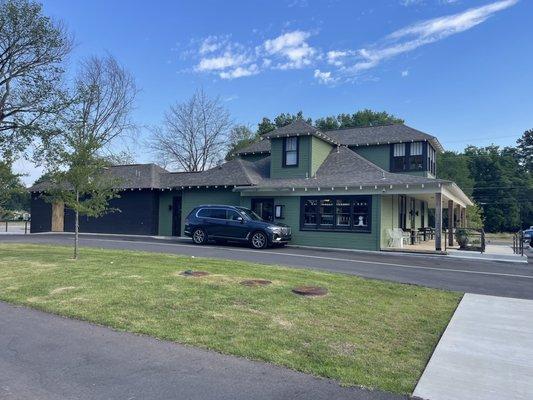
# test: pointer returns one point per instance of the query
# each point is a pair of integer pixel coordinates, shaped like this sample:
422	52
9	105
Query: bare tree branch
193	134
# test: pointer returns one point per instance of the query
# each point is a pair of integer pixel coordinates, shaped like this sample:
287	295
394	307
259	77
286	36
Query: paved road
474	276
46	357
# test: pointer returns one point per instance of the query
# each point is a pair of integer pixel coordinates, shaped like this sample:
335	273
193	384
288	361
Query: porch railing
467	238
518	243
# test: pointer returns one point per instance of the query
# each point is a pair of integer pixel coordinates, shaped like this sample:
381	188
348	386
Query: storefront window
342	213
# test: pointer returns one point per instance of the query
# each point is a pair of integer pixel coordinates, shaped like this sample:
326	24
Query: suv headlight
274	229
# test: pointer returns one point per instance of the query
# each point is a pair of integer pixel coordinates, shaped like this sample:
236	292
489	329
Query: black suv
228	223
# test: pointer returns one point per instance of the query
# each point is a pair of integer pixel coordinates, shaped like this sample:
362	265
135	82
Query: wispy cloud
293	49
425	32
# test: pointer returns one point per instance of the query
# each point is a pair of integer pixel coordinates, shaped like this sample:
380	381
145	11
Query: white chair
395	238
406	236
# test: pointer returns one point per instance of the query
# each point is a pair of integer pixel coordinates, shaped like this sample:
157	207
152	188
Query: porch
419	221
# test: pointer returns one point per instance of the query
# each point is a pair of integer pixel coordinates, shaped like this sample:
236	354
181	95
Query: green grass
364	332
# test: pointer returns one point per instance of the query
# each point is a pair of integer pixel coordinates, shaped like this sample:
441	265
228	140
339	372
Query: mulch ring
194	273
255	282
310	291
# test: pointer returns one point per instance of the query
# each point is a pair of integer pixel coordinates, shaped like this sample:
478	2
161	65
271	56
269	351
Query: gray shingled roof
372	135
132	176
344	167
299	128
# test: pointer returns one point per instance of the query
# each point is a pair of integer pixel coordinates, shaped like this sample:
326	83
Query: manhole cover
310	291
194	273
256	282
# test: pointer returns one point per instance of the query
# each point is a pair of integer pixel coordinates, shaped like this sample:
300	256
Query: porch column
450	222
462	217
438	221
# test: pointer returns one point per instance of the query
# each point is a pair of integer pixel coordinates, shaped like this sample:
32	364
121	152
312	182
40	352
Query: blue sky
461	70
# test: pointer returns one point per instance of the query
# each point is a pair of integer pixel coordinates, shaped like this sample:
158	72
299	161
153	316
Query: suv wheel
199	236
259	240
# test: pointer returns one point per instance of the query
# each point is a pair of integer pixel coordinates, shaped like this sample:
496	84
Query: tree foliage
99	113
240	137
498	181
32	48
12	190
361	118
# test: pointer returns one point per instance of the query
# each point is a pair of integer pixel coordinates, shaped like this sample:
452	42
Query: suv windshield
250	214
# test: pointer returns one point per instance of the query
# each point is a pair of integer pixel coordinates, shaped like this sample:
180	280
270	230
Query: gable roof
359	136
344	167
299	127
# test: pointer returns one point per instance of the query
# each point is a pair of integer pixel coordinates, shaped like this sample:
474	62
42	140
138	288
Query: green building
352	188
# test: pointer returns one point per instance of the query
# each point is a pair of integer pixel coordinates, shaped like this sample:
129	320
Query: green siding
319	152
304	159
195	197
349	240
165	214
379	155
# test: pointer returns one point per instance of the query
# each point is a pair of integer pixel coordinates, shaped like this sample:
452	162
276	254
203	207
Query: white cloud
405	73
426	32
293	47
222	62
240	72
323	77
211	44
335	57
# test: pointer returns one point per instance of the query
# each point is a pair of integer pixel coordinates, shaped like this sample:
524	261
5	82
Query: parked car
223	223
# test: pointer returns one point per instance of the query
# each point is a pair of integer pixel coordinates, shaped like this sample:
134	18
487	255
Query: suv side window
233	215
218	213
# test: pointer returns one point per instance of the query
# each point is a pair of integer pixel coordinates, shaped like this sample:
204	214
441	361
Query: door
235	225
264	208
176	216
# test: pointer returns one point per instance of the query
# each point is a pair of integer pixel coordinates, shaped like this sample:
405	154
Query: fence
6	224
467	238
518	243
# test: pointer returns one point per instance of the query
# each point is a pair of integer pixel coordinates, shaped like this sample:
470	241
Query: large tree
32	49
240	137
103	98
194	134
360	118
10	185
525	150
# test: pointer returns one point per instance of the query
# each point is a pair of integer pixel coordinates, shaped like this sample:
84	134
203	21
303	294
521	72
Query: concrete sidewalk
485	353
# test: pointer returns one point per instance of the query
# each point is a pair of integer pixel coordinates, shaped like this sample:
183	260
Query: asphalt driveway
464	275
47	357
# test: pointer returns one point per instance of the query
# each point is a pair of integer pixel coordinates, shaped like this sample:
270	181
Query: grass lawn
364	332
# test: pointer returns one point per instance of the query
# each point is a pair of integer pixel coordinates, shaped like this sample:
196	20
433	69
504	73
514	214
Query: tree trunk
76	228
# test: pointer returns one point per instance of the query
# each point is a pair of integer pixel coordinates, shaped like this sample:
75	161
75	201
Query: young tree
194	134
9	185
32	48
103	96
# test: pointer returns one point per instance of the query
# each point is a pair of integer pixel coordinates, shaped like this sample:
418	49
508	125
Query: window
325	214
411	157
310	210
218	213
416	158
431	160
290	152
398	158
340	213
233	215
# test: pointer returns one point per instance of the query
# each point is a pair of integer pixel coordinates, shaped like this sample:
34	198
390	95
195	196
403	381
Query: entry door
58	217
264	208
176	216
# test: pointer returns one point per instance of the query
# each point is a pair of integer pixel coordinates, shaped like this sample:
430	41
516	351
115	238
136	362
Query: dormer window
414	156
290	151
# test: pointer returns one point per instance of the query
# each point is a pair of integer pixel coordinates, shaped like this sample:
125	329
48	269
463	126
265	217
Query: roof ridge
363	127
240	161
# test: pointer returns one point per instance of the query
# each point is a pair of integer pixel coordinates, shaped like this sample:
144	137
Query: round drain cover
310	291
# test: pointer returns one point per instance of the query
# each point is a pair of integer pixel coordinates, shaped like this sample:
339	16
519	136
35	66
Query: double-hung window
416	157
337	213
412	157
290	151
399	161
